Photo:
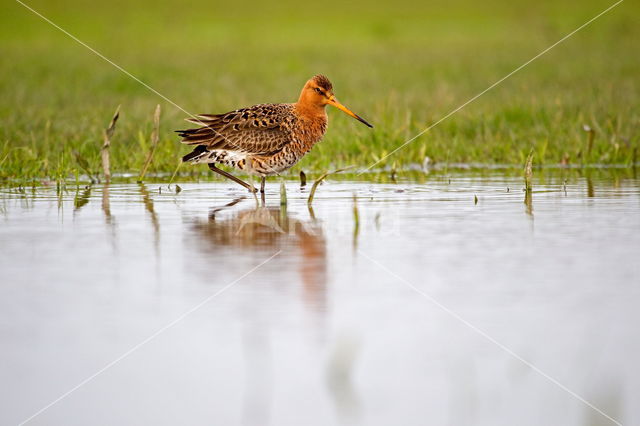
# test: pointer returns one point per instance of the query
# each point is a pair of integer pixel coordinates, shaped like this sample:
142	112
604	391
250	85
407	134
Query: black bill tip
363	121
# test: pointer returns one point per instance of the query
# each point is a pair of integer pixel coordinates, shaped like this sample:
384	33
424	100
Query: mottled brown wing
259	129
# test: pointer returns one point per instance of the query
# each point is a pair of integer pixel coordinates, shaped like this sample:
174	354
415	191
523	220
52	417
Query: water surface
452	301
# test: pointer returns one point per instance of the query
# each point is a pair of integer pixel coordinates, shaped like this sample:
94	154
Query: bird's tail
194	155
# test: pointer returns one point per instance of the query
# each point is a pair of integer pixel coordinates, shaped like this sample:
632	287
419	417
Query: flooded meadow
459	300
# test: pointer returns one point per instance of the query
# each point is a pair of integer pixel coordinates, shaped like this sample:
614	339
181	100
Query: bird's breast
311	131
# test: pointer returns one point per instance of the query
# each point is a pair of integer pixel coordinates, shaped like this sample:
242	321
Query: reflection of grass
401	66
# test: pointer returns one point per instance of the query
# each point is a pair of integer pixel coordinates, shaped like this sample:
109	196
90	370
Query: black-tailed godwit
263	139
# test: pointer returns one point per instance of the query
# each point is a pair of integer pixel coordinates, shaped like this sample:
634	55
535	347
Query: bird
265	139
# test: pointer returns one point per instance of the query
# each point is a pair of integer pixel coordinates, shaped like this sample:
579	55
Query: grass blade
320	179
104	151
528	172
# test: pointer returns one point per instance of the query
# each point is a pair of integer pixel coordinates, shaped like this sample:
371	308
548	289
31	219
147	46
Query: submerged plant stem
320	179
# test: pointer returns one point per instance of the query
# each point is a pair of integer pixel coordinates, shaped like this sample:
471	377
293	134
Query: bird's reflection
240	228
271	228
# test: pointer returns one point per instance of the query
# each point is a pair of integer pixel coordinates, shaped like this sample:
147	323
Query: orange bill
333	101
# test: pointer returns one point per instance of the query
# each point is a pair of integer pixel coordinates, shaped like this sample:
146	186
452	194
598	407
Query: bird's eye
318	90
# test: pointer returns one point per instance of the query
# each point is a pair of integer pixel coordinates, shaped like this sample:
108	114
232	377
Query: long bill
333	101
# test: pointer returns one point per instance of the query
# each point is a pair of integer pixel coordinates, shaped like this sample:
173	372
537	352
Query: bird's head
318	91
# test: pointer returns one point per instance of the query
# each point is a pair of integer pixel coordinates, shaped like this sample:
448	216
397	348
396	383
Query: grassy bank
402	66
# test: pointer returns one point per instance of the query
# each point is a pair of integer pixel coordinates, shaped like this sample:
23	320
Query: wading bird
265	139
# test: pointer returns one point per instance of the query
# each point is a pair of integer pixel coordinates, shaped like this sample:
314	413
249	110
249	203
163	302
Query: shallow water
126	305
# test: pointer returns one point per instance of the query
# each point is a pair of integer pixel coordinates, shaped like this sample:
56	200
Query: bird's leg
232	177
262	184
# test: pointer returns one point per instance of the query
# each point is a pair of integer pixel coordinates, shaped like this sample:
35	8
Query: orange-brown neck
309	106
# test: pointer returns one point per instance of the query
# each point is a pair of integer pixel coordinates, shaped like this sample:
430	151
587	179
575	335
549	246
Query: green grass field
401	65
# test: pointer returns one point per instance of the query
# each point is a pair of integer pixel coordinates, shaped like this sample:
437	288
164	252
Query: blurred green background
402	65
